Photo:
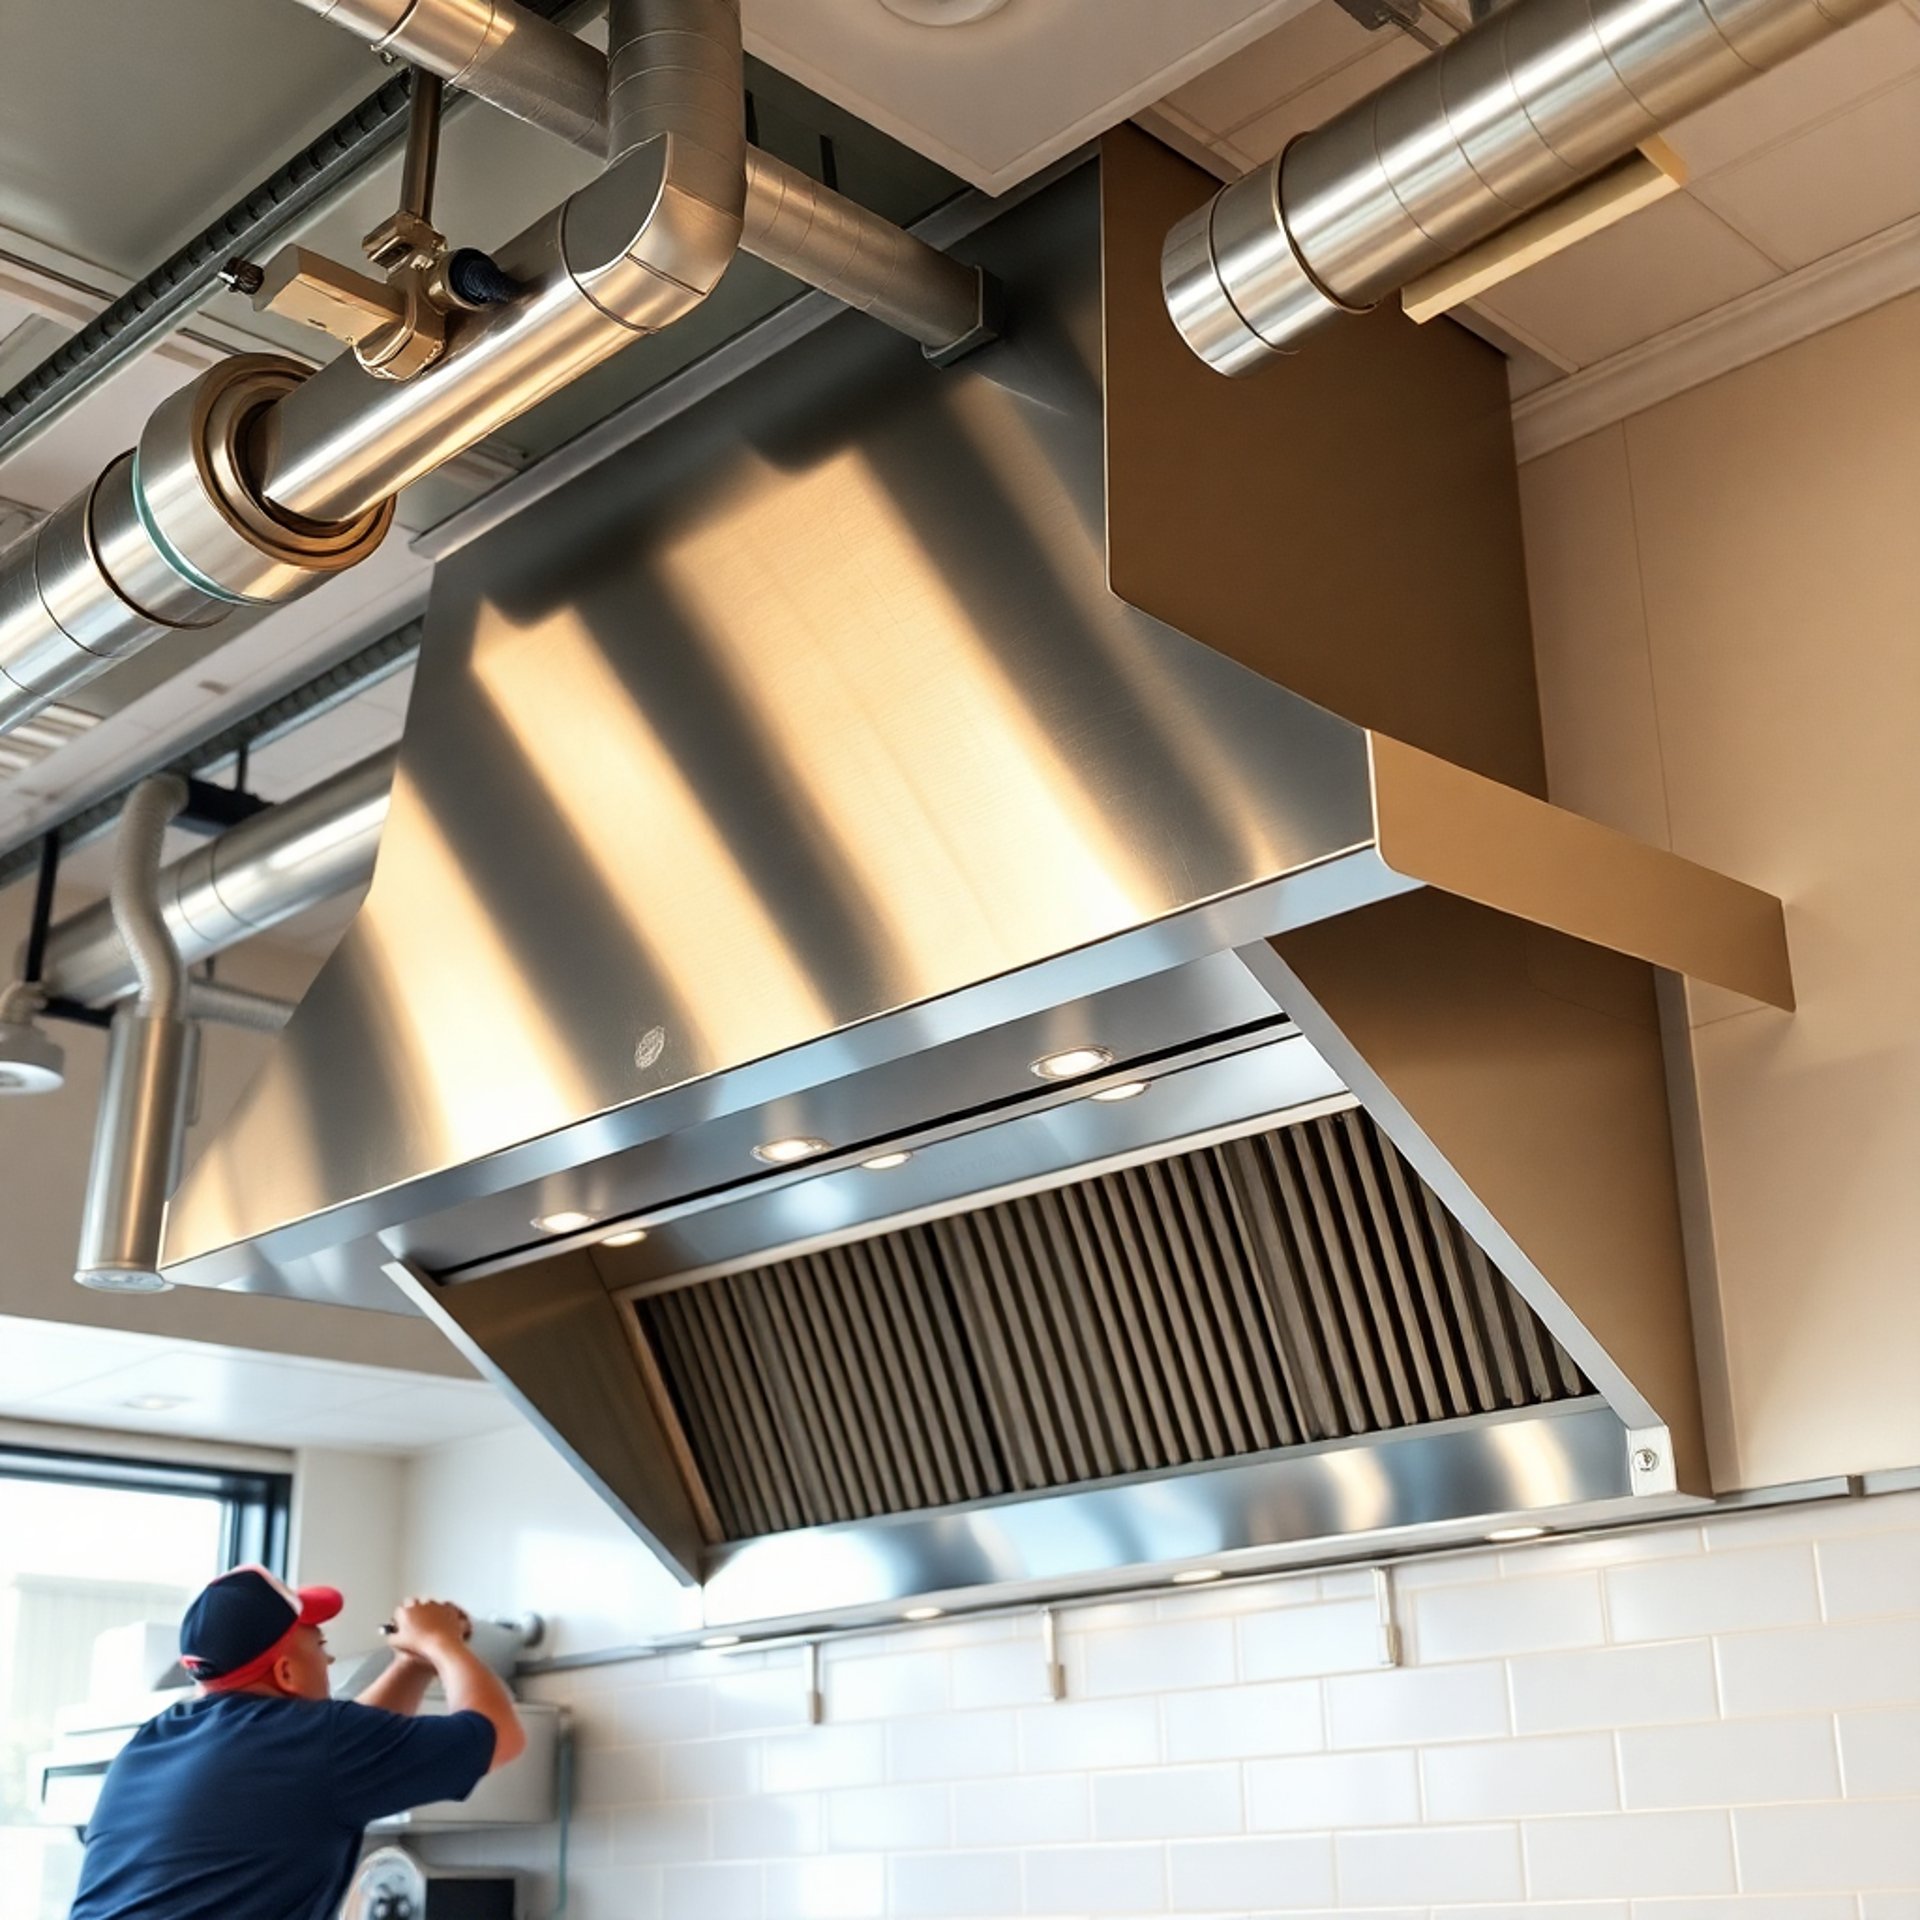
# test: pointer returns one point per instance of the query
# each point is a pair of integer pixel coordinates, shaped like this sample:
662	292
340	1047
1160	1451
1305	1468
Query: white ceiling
99	1378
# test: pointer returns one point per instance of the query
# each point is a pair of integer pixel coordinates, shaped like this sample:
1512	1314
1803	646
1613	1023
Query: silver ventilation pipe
267	869
1508	117
142	1120
500	52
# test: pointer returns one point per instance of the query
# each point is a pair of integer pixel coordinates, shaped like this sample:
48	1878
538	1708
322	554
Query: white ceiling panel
1853	174
1264	136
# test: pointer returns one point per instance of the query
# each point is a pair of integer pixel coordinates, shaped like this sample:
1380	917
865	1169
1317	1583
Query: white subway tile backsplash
1509	1779
666	1832
1409	1706
1149	1659
1076	1736
1515	1616
710	1769
654	1715
824	1757
1324	1791
952	1746
1289	1643
1742	1906
1880	1753
755	1702
1096	1880
1010	1673
1165	1803
726	1890
1890	1906
1875	1663
890	1687
1713	1593
873	1819
1630	1853
769	1826
1033	1811
1440	1865
1871	1573
1258	1876
845	1886
617	1776
1244	1722
1730	1763
1847	1847
1613	1687
967	1885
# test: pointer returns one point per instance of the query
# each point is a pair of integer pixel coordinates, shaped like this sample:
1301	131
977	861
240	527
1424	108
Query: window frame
256	1504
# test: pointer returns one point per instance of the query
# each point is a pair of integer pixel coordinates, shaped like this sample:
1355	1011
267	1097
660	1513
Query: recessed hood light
783	1152
565	1221
718	1640
626	1237
155	1403
1196	1576
1501	1536
886	1162
923	1613
1070	1063
1127	1090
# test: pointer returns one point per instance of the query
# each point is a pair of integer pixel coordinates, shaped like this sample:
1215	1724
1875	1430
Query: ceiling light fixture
943	13
923	1613
565	1221
1070	1063
1127	1090
886	1162
1197	1576
716	1641
783	1152
1500	1536
626	1237
154	1403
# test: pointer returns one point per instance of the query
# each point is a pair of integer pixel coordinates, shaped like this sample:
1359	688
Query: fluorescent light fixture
923	1613
719	1640
565	1221
1070	1063
155	1403
783	1152
1196	1576
886	1162
626	1237
1127	1090
1501	1535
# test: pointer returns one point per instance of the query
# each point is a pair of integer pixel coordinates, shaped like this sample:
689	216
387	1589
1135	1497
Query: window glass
76	1561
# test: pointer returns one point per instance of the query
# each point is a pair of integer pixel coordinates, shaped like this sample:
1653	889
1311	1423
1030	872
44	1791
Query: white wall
348	1515
504	1527
44	1146
1727	615
1716	1722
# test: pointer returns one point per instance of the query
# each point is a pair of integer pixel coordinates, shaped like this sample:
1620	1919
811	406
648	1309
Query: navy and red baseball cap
239	1625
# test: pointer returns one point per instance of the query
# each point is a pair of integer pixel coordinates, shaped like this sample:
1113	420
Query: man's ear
286	1676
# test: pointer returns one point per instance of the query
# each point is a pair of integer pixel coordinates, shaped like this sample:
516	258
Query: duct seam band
171	554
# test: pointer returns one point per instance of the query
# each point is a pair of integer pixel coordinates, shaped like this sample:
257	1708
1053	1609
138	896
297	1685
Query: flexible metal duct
264	871
142	1121
1507	118
503	53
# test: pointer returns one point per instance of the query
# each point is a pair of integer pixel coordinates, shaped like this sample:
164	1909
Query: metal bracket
1056	1674
987	328
1650	1461
212	809
816	1698
1390	1646
1376	14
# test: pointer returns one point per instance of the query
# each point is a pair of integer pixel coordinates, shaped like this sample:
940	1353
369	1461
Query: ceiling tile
1261	138
37	1357
1256	79
1649	273
1827	78
1849	177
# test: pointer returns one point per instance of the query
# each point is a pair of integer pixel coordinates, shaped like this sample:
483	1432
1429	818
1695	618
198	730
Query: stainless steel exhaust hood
785	794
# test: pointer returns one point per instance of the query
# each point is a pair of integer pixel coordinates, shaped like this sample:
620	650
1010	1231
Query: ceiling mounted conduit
234	497
1516	112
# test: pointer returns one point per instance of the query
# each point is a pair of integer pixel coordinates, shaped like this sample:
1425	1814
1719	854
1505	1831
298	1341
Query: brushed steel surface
1384	1495
811	737
136	1151
1523	106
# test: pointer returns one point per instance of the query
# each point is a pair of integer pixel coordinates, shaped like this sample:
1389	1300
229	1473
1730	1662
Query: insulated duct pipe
501	52
1508	117
265	870
142	1120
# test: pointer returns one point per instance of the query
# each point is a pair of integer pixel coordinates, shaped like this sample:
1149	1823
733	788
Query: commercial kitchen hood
785	785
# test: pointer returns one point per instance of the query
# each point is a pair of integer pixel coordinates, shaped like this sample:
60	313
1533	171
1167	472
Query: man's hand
421	1627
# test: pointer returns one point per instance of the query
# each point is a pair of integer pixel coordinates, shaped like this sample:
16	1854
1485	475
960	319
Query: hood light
716	1641
886	1162
155	1403
923	1613
1502	1536
781	1153
1197	1576
626	1237
566	1221
1128	1090
1072	1062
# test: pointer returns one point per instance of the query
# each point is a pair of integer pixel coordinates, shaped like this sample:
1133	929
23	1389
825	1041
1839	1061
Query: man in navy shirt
249	1799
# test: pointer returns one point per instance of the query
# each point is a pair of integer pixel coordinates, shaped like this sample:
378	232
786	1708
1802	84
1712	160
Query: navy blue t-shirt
252	1806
